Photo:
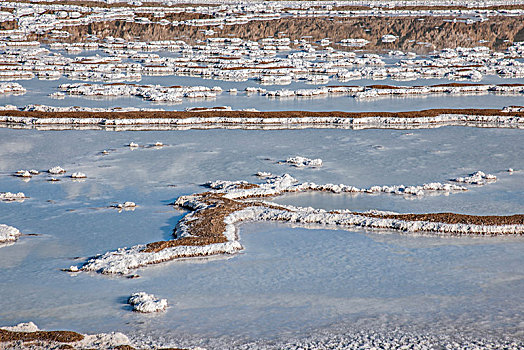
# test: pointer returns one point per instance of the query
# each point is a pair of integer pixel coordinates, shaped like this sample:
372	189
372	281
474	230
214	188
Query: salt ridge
288	123
123	260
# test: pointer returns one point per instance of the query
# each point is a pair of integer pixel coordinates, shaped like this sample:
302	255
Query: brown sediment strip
8	25
452	218
248	114
52	336
498	32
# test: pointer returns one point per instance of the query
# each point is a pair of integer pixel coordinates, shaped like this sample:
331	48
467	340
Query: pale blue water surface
288	280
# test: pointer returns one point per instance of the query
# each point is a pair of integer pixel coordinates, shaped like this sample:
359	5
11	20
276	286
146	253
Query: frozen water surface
289	281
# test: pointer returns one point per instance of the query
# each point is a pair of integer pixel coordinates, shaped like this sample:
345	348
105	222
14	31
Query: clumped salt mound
23	173
264	174
476	178
12	197
147	303
78	175
300	162
22	327
56	170
125	206
8	233
12	88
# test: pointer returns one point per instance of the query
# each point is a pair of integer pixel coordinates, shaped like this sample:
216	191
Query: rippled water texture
289	280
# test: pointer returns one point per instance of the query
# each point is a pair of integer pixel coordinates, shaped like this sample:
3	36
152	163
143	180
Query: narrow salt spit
276	185
147	303
8	233
300	162
123	260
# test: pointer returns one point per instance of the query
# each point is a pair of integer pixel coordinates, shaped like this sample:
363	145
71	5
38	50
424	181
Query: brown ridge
434	30
208	225
247	114
452	218
53	336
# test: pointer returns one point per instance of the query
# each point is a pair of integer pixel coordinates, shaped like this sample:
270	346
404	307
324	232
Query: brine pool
289	282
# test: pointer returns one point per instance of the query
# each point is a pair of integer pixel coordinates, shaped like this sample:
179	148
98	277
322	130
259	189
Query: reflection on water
289	279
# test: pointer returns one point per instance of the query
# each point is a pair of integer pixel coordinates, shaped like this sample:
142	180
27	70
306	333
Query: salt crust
276	185
287	123
12	197
123	260
8	233
12	88
363	92
147	303
23	173
95	341
78	175
125	205
476	178
300	162
154	93
56	170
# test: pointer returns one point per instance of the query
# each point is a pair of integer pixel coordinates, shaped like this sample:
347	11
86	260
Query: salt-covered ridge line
210	227
507	117
373	91
277	185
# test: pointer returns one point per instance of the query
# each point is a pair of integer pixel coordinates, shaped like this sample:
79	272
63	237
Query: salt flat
274	285
236	176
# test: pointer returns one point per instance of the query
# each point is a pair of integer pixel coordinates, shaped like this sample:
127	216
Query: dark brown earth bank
420	35
247	114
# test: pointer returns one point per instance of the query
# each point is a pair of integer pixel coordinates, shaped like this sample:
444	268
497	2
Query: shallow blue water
288	279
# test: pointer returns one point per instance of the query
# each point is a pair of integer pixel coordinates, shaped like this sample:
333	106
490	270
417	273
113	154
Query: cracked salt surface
293	282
